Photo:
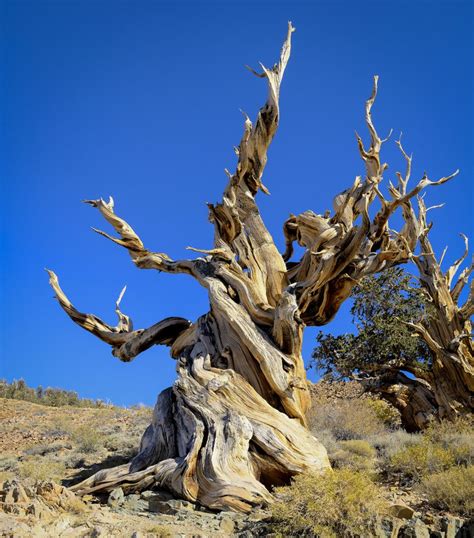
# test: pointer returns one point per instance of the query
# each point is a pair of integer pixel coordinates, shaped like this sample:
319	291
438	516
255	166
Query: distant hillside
19	390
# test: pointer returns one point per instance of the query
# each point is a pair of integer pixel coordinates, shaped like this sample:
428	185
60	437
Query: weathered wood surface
233	424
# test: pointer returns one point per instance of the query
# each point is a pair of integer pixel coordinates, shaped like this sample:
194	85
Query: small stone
181	505
401	510
116	497
159	495
161	507
415	529
227	525
171	507
145	495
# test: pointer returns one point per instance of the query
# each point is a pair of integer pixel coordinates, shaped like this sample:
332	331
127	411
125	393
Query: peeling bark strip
233	424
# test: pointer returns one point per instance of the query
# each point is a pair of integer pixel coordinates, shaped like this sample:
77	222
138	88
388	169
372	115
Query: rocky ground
42	447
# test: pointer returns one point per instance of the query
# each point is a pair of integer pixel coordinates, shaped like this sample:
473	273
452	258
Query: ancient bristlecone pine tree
233	423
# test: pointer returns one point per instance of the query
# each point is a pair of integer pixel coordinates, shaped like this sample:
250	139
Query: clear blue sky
141	100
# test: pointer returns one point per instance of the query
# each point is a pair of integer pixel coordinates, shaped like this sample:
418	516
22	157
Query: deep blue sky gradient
141	100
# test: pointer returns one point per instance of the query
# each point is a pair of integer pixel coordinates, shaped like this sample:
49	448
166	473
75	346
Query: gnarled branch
126	343
143	258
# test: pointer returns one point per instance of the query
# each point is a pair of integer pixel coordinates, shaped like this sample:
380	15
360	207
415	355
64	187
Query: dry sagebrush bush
87	438
355	454
41	468
457	436
441	447
345	419
451	490
339	503
385	412
418	460
389	443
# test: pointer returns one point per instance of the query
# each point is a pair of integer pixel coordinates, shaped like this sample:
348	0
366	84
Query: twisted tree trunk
233	424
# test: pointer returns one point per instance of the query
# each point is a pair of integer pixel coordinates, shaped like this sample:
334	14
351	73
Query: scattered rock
145	495
134	503
116	497
159	495
227	525
415	529
12	492
171	507
401	510
457	528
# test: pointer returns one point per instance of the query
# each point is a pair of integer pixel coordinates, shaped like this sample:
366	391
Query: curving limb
126	343
143	258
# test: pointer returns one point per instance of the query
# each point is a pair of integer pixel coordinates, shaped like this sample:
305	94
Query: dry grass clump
418	460
346	419
457	436
87	438
355	454
333	504
38	468
441	447
451	490
162	531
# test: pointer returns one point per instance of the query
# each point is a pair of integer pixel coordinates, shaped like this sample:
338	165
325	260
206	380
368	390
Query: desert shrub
456	436
75	460
8	462
39	468
122	443
332	504
389	443
346	419
60	426
355	454
385	412
359	448
451	490
416	461
327	439
162	531
87	438
42	449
